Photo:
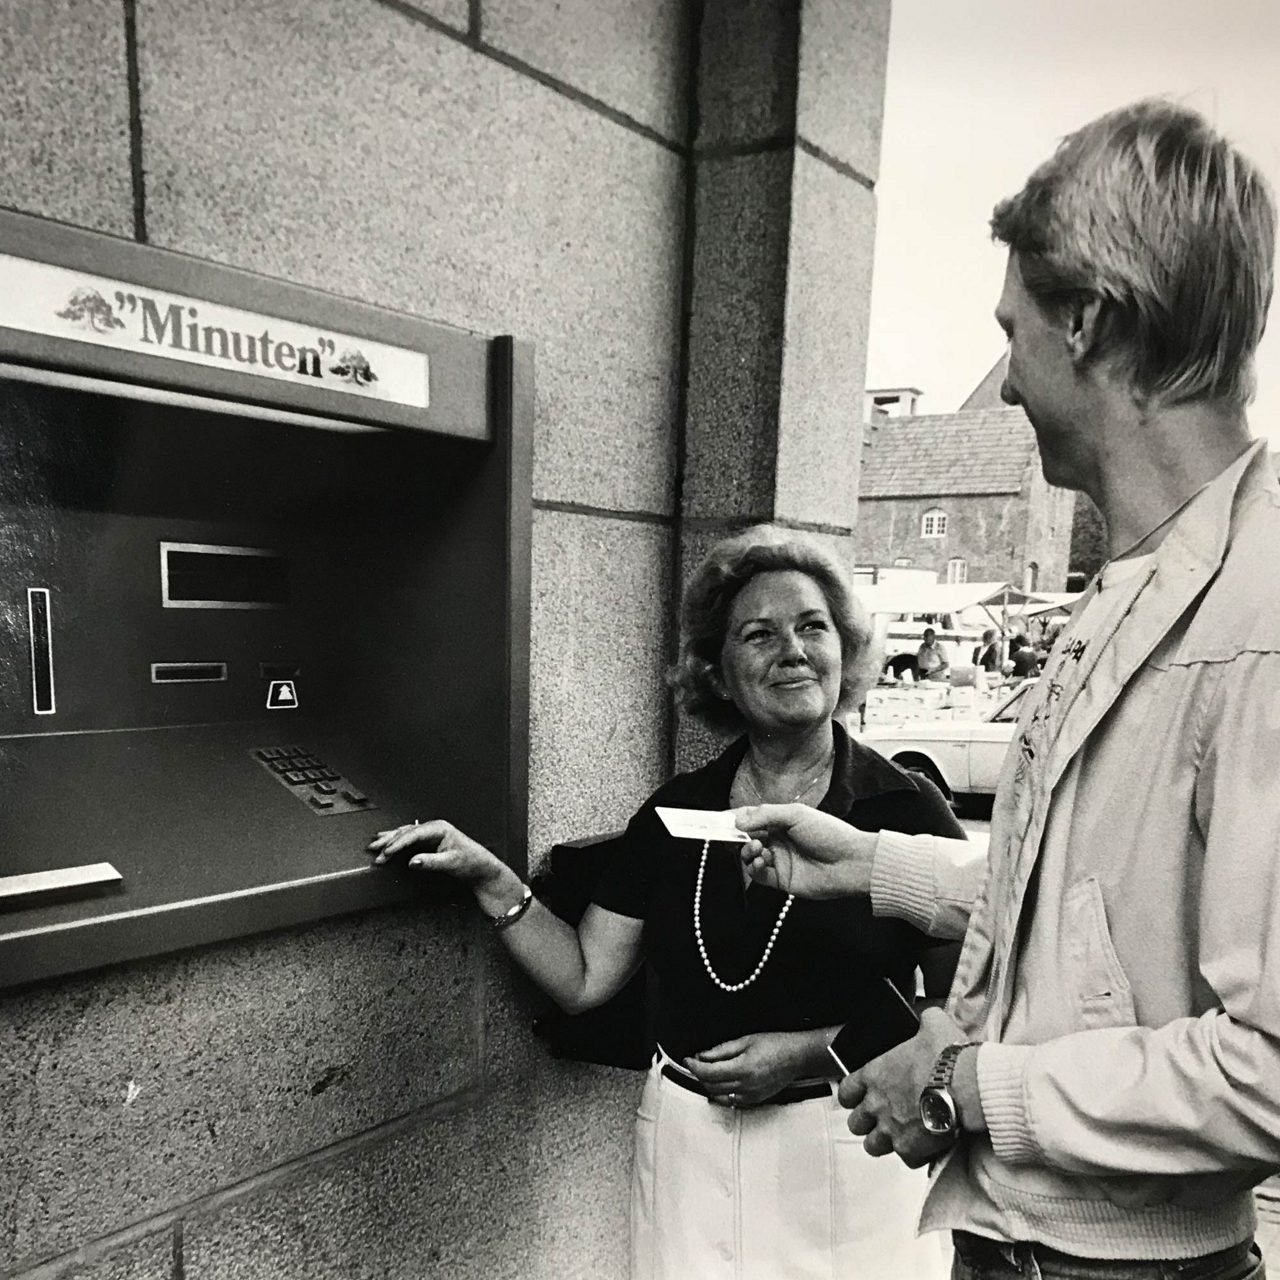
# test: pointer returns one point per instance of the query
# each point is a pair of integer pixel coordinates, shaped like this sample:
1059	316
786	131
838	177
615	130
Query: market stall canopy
1050	602
945	597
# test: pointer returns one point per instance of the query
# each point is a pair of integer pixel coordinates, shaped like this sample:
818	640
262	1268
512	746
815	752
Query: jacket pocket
1101	992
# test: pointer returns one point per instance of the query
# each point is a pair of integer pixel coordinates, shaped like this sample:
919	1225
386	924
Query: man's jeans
981	1259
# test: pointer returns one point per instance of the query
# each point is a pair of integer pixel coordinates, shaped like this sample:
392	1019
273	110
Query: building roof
986	395
975	451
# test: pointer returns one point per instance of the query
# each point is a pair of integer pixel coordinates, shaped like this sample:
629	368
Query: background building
962	495
674	202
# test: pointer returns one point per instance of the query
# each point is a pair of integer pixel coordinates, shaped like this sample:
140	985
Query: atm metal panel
132	733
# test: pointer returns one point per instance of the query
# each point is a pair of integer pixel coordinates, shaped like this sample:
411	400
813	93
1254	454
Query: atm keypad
323	790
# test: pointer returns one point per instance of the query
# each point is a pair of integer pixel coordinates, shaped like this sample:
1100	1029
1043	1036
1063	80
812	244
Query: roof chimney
890	402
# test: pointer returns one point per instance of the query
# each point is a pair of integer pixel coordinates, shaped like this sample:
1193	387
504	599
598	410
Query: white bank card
701	824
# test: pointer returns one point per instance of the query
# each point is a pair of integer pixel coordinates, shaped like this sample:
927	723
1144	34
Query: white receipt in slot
701	824
35	887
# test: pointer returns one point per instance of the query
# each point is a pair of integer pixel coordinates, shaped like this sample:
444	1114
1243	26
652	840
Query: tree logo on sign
88	307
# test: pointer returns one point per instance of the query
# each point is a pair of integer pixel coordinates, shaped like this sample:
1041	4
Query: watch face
937	1110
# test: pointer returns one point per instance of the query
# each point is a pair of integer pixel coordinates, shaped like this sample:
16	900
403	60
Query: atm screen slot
188	672
197	575
279	670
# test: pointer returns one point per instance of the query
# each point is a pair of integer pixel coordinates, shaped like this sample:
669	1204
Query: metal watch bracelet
512	914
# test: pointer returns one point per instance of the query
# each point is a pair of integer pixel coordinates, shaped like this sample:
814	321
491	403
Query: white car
962	757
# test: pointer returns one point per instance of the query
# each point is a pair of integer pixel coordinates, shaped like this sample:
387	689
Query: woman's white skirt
769	1193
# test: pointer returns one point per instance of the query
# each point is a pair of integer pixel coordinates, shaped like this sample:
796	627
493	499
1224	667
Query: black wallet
884	1020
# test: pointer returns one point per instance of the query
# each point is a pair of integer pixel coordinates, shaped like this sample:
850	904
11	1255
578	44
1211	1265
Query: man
931	661
1023	657
1118	994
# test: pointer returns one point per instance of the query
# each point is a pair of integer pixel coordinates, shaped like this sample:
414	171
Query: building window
1031	578
957	569
934	524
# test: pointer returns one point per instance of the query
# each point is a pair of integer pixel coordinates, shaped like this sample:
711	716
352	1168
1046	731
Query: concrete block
632	55
64	112
141	1087
477	1193
695	743
454	13
401	168
828	299
150	1258
748	56
601	609
736	334
840	100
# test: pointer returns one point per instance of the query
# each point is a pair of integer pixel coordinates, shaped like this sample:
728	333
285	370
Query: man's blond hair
1157	215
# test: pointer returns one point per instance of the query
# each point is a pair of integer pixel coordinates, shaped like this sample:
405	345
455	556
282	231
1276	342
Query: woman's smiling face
781	658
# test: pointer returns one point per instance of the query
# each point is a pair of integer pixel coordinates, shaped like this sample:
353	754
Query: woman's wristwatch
938	1111
512	914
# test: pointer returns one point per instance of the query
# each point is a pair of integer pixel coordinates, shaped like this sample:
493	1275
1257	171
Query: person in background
931	660
743	1167
987	654
1023	658
1103	1090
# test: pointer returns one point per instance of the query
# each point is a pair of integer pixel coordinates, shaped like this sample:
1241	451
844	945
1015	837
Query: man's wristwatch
938	1112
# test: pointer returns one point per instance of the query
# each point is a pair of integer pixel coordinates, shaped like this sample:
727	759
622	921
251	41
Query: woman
987	654
744	1165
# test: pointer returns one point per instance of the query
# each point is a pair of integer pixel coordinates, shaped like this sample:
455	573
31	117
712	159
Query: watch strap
945	1066
512	914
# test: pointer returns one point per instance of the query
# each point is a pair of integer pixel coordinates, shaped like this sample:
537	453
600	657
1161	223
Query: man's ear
1084	318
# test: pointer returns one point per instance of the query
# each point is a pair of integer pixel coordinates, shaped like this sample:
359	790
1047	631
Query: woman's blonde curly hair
709	596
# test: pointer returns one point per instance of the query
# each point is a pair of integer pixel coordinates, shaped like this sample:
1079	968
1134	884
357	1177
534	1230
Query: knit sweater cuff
1001	1072
902	883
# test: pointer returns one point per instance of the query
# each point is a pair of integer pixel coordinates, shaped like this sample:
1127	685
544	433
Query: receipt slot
248	616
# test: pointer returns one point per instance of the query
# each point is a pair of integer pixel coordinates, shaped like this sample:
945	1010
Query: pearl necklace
731	987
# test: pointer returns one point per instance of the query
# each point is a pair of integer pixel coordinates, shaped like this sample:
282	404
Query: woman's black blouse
829	956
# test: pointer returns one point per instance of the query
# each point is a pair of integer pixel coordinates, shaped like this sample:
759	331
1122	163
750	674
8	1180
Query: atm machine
264	590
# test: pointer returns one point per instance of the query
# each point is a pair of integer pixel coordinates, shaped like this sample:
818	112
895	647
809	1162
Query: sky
977	95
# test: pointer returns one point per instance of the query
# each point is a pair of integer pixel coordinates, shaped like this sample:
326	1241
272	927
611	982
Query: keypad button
324	789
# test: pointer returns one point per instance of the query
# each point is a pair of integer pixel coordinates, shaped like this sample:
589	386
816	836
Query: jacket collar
860	774
1181	567
1200	535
